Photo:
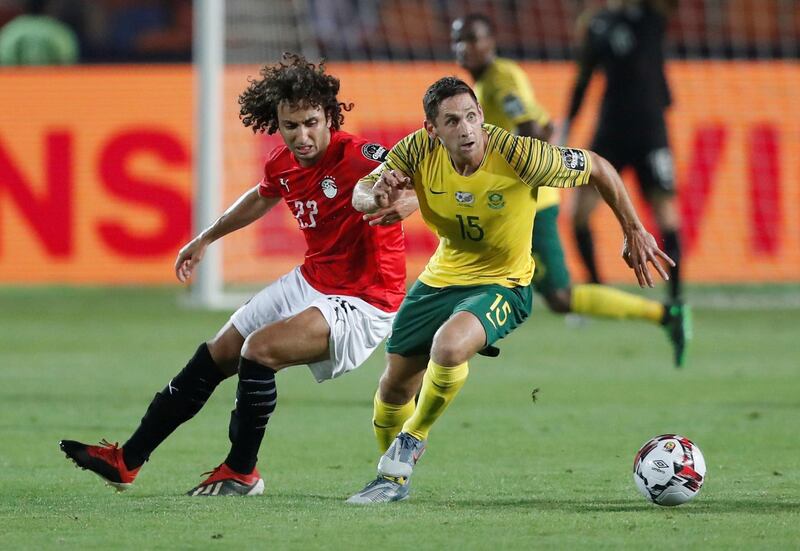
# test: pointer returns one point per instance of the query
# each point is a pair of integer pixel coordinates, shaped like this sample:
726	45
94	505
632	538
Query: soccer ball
669	470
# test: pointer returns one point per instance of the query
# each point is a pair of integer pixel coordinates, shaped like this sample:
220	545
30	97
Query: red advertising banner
96	169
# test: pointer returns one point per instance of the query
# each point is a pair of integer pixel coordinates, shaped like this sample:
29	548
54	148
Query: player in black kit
626	40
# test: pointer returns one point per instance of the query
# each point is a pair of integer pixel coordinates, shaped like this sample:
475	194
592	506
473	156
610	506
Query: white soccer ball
669	470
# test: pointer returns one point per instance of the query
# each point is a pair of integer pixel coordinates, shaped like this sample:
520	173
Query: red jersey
345	255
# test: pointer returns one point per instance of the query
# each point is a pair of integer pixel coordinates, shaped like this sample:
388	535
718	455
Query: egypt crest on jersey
328	185
339	242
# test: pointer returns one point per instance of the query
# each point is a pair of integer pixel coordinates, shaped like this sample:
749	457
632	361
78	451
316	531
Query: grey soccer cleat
226	482
382	490
402	455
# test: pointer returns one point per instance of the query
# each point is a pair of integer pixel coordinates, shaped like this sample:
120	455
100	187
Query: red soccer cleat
104	460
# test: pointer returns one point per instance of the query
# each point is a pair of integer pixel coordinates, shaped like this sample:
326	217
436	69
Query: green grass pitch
501	471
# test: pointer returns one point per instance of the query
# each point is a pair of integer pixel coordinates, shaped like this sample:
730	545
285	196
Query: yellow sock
388	419
439	386
607	302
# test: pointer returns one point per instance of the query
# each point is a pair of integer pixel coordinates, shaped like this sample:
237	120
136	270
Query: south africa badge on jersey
574	159
496	201
328	185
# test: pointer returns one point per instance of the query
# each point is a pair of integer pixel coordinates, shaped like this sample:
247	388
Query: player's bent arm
640	248
249	207
244	211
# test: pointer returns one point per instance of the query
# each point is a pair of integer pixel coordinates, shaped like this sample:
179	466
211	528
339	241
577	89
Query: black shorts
643	147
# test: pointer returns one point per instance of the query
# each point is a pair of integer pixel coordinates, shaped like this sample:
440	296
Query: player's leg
654	167
480	316
656	176
552	281
300	339
176	403
585	200
609	144
665	211
333	335
393	405
394	400
460	338
423	310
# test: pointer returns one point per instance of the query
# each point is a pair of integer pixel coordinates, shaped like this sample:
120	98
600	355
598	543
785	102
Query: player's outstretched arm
249	207
640	248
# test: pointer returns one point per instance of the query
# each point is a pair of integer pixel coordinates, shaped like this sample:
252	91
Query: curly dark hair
296	81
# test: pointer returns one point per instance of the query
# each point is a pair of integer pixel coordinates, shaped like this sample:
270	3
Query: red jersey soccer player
330	313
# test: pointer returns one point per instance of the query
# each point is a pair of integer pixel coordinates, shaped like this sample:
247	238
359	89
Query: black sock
585	242
672	246
178	402
255	402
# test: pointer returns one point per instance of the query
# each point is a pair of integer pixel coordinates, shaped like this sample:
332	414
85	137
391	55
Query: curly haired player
330	313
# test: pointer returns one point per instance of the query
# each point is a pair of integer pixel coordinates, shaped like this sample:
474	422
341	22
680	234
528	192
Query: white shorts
357	327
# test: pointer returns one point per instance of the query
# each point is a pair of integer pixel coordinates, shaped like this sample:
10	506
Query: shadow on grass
753	506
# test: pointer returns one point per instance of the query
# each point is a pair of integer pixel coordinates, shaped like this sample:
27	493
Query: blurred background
99	126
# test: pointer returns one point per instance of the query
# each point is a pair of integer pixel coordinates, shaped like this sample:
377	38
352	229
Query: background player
329	313
506	97
477	186
627	40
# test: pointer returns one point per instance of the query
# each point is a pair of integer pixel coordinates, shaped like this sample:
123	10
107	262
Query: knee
559	301
258	348
449	352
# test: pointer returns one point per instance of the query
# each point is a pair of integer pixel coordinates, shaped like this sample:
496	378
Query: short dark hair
439	91
472	18
295	81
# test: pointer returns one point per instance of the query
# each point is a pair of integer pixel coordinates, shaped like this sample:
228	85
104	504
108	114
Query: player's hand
389	187
399	210
188	257
639	250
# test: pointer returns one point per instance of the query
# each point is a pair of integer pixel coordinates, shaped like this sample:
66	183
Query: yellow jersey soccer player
507	99
477	187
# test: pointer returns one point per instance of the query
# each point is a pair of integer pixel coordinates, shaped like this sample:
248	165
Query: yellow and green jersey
507	99
484	221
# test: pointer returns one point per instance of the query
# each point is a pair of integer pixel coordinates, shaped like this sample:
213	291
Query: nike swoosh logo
437	192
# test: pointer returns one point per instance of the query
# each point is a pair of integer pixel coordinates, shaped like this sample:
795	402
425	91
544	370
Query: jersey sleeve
514	95
539	163
405	156
268	186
